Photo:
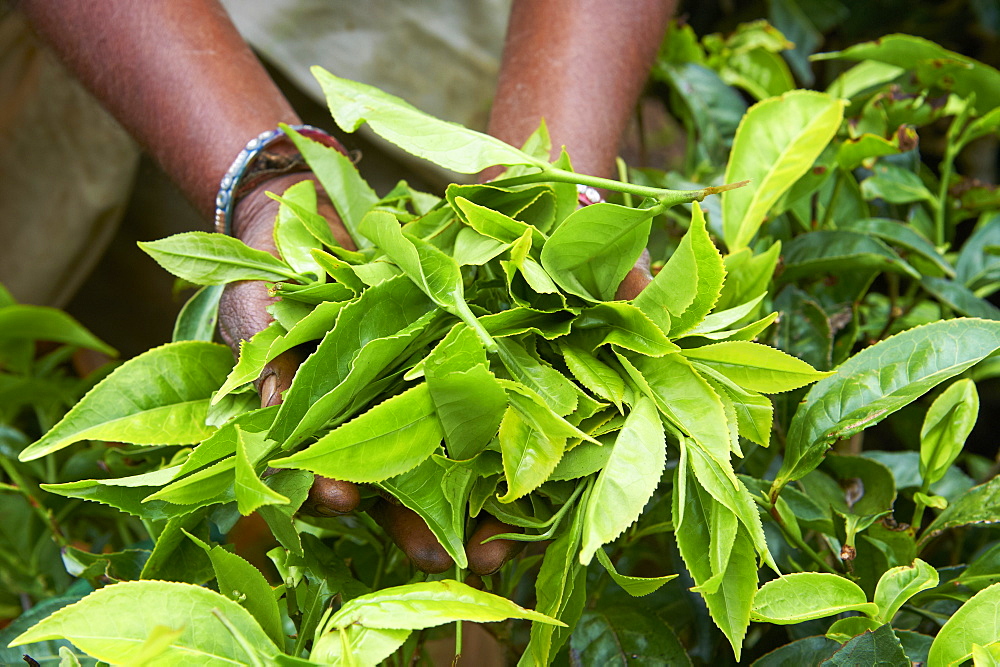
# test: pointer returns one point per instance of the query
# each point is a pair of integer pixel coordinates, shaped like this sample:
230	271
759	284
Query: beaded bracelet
268	155
587	195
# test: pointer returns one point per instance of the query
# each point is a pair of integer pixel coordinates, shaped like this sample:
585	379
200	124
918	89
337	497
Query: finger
277	377
490	557
331	497
635	280
412	536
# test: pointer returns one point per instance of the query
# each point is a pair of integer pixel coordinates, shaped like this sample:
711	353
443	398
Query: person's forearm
580	64
175	73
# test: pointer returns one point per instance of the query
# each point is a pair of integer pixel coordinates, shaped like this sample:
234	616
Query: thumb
277	376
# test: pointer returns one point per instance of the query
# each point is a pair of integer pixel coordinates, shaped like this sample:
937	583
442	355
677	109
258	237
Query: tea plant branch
662	196
796	540
953	146
23	487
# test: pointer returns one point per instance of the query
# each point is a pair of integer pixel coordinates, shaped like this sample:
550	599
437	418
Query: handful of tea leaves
469	357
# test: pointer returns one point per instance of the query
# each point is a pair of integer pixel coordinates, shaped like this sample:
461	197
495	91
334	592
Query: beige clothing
66	169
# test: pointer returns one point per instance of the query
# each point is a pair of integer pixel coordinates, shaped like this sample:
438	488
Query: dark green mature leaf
205	617
215	259
160	397
840	252
387	440
803	596
369	334
976	506
350	194
895	185
806	651
902	235
628	479
777	142
26	322
878	381
909	52
975	266
45	652
710	109
435	273
591	251
880	647
446	144
960	298
625	635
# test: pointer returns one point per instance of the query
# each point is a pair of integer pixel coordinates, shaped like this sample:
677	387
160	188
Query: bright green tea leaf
899	584
125	625
803	596
777	142
976	622
426	605
948	423
251	492
435	273
634	586
446	144
199	316
591	251
350	194
627	481
160	397
216	259
391	438
756	367
243	583
26	322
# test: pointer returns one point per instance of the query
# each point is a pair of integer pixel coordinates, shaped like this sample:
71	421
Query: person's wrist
253	216
270	155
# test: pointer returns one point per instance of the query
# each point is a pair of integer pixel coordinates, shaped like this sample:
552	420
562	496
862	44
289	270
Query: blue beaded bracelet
256	163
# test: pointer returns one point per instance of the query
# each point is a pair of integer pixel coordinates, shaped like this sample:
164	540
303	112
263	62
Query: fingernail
269	391
326	510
